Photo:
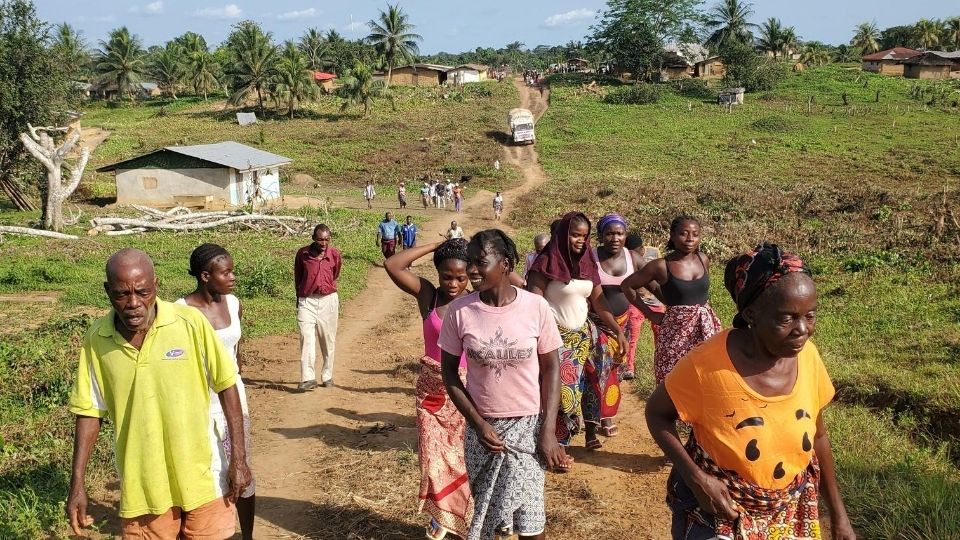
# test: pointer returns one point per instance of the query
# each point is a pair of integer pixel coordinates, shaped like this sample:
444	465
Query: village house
108	90
674	66
928	65
710	68
221	175
324	81
468	73
578	65
420	75
888	62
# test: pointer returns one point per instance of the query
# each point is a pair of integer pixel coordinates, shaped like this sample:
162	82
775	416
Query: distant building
675	66
954	57
108	90
224	174
928	65
324	80
420	75
888	62
576	65
710	68
468	73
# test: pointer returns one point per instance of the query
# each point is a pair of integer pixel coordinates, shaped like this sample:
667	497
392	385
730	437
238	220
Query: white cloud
154	8
298	14
570	17
229	11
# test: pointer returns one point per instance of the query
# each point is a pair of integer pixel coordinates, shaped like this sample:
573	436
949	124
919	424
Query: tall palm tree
167	68
202	70
728	21
952	33
928	33
771	37
514	54
358	88
294	78
866	38
393	37
317	49
845	53
121	60
191	42
254	59
334	37
815	56
791	42
70	46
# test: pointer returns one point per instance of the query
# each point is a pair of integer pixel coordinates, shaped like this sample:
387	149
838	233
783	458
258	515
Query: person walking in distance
154	368
457	197
369	193
387	232
439	195
453	232
402	195
497	206
408	233
425	195
316	269
212	266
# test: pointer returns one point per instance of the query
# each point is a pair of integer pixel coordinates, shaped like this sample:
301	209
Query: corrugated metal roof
896	53
232	154
228	153
433	67
953	55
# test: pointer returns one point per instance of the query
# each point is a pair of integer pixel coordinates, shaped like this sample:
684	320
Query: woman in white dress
212	265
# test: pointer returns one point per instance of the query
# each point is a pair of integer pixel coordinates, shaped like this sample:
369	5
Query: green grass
858	190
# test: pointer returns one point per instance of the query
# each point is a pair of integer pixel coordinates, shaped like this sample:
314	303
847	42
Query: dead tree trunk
43	147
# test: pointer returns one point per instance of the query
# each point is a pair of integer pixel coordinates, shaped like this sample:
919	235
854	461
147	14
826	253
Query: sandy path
313	452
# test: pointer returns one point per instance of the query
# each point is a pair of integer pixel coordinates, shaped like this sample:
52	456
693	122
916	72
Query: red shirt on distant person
316	275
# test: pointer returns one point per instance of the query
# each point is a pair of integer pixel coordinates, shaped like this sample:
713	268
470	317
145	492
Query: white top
230	337
455	233
369	192
568	301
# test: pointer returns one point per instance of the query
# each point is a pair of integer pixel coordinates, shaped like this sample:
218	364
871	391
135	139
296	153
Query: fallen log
160	225
26	231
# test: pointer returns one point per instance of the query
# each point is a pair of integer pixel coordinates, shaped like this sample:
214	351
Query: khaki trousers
317	318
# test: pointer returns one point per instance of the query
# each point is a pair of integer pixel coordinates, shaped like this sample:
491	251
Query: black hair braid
205	254
455	248
498	242
675	226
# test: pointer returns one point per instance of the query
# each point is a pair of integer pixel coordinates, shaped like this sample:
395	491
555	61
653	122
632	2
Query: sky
447	25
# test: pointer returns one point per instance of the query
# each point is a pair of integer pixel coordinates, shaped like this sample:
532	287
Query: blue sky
447	25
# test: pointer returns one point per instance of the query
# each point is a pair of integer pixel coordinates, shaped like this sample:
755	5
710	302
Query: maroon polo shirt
313	275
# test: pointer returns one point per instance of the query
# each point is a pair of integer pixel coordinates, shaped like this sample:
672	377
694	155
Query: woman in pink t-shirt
444	492
512	391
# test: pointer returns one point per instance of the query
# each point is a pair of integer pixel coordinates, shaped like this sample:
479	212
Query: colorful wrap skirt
444	488
576	351
682	329
790	513
601	396
508	487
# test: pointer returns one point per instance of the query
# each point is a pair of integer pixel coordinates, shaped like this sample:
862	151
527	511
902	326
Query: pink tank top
431	336
607	279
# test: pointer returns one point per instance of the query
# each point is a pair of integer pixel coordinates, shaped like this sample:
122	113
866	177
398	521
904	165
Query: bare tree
42	146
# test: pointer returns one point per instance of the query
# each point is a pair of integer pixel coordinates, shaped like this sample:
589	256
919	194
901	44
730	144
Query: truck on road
521	126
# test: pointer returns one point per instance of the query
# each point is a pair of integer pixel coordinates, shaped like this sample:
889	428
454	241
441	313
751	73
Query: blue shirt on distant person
388	229
408	232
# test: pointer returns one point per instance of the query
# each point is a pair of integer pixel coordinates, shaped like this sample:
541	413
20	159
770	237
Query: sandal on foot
609	431
628	376
594	444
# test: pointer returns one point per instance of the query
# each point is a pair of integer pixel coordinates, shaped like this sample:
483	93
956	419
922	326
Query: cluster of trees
933	34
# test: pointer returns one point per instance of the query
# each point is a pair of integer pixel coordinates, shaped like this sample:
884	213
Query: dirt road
339	462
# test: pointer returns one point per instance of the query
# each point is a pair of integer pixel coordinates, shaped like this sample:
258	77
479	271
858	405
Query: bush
772	124
751	71
693	88
638	94
262	277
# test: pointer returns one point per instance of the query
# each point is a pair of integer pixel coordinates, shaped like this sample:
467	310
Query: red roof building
888	62
324	80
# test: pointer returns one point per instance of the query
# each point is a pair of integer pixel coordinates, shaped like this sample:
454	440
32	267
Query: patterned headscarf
608	220
748	275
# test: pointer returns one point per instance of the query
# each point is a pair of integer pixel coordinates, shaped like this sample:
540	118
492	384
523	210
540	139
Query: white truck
521	126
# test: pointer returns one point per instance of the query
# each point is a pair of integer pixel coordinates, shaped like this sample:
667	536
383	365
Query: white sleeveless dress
230	337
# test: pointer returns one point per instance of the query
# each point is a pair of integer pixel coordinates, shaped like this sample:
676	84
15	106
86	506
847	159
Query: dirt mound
303	180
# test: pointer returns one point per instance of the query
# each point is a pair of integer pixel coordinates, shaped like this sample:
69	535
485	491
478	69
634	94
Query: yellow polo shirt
167	448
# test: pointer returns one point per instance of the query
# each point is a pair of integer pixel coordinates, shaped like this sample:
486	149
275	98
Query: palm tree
815	56
121	60
393	38
952	33
791	42
928	33
334	37
70	46
358	88
202	70
728	21
167	67
866	38
254	58
317	49
294	78
191	42
844	53
771	37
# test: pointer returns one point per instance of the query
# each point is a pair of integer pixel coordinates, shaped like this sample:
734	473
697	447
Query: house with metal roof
928	65
221	175
468	73
420	75
888	62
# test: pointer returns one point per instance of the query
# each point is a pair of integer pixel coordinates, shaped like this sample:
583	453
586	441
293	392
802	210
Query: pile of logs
183	219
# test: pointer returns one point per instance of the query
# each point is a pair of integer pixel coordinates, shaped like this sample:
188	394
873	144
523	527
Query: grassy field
867	192
430	131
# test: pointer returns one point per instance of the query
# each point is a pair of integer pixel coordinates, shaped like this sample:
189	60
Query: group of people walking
514	368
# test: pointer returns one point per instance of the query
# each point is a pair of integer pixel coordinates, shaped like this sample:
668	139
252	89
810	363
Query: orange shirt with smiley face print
766	440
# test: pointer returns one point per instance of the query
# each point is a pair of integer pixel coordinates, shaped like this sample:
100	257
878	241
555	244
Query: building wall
161	187
892	68
926	72
871	66
463	76
673	73
711	70
421	77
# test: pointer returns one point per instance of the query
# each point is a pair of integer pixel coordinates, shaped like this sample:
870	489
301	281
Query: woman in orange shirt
753	395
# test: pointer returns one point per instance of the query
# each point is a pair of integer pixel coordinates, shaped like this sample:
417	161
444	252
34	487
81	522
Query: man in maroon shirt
315	270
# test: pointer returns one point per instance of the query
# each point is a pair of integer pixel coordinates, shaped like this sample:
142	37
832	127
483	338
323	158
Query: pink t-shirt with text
501	344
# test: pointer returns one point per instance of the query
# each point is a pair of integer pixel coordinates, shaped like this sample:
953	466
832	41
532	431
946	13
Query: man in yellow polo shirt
152	368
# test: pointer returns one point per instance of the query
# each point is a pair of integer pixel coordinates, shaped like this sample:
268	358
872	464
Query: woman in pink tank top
444	489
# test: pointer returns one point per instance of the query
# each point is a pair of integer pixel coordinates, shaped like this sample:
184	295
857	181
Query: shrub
638	94
692	88
772	124
262	277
